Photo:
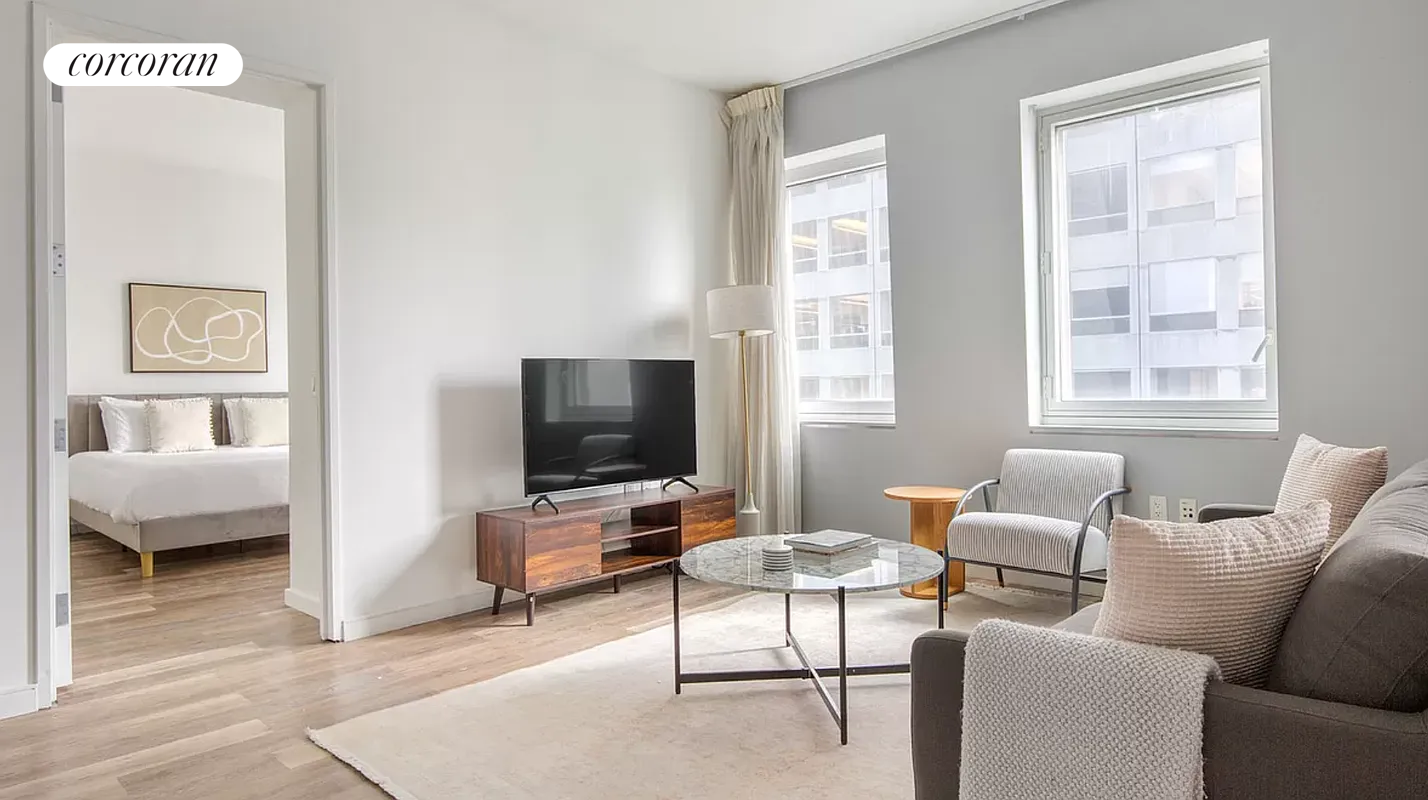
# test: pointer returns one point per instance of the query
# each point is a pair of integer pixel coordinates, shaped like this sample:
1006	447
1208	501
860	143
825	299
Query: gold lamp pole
743	311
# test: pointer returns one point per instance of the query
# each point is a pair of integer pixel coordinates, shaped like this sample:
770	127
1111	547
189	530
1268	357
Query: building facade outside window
1156	306
839	221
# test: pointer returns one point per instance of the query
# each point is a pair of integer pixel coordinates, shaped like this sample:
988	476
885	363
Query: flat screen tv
592	422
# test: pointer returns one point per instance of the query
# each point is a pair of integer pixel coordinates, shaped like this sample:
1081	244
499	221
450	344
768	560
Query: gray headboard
86	428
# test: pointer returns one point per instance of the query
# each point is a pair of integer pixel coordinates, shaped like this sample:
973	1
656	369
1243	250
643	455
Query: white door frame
49	411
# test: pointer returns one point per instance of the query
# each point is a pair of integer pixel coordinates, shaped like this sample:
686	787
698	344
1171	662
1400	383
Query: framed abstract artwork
197	329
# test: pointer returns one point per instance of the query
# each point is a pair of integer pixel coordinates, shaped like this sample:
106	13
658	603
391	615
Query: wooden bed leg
146	565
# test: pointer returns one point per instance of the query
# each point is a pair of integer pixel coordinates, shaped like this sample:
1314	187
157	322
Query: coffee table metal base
843	672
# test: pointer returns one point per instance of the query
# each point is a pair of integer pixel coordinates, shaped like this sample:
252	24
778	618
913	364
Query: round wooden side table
932	508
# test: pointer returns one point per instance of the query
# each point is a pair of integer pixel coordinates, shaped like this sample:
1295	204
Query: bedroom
177	357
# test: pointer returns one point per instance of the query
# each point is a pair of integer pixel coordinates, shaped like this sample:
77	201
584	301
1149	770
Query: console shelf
537	551
622	561
624	529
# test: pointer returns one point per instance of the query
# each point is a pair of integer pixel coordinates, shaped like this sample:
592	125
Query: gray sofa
1345	711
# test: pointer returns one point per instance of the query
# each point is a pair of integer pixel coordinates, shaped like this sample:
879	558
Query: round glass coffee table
884	564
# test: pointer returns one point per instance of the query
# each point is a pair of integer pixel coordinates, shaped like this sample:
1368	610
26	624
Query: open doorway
177	366
181	228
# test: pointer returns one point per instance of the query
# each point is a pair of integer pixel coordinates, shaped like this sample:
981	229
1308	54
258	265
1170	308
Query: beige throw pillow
264	421
1345	476
180	426
1225	589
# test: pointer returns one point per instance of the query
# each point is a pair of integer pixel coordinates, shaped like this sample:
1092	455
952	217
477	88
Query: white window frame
1042	116
864	155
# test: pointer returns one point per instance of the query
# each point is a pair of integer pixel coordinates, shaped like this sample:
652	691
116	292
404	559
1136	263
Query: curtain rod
936	38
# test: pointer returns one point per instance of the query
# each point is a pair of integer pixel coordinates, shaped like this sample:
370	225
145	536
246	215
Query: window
1182	296
885	318
1096	200
805	322
808	388
850	387
1249	178
1098	310
841	254
1181	187
1252	383
1251	269
848	240
850	321
1103	385
884	250
1198	383
804	237
1151	273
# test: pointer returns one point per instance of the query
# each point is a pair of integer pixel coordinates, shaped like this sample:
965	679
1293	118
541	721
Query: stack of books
831	544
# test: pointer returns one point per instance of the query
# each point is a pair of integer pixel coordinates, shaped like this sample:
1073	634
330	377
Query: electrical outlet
1157	507
1187	509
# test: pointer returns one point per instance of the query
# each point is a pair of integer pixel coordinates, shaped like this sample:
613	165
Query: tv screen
591	422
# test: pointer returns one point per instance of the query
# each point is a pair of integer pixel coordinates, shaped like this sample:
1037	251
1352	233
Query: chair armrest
938	659
1215	512
981	487
1264	744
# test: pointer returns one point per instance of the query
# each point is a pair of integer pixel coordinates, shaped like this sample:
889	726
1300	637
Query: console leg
678	672
617	584
496	603
530	610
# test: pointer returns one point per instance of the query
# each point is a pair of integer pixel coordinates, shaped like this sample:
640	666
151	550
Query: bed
150	502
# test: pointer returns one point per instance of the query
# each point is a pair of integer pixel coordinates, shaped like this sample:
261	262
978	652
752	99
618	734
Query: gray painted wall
1351	166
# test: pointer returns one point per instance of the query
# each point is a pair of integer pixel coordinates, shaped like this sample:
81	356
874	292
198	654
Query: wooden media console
537	551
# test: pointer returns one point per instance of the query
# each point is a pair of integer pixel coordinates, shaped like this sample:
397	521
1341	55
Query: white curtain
759	254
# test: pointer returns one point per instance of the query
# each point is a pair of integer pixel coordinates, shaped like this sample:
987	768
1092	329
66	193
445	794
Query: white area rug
606	723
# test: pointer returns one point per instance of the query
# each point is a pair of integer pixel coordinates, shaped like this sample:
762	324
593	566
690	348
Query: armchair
1052	511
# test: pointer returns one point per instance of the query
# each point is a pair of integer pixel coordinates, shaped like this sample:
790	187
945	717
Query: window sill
848	420
1128	428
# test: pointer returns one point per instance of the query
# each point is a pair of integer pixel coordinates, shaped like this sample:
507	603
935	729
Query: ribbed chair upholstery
1052	511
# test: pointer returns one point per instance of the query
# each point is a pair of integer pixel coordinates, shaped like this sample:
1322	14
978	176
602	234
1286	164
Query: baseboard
304	602
363	627
19	700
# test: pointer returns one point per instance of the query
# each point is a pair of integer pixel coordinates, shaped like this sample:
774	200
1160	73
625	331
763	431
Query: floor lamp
743	311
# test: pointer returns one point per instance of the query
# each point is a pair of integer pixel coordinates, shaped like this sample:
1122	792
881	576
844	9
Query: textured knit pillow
1224	589
182	425
1345	476
264	421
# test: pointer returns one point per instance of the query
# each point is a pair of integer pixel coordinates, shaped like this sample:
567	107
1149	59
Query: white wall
1350	166
497	197
167	185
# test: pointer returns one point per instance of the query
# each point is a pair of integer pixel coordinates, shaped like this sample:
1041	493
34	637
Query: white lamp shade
747	309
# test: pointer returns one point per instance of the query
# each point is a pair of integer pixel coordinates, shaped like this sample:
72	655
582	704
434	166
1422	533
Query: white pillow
126	424
180	426
231	411
265	421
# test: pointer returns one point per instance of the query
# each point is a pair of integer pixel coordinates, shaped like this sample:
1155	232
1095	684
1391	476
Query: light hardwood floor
200	683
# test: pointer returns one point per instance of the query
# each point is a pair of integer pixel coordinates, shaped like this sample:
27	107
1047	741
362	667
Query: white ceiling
729	45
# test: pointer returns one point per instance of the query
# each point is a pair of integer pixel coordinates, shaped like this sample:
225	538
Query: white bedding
137	487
